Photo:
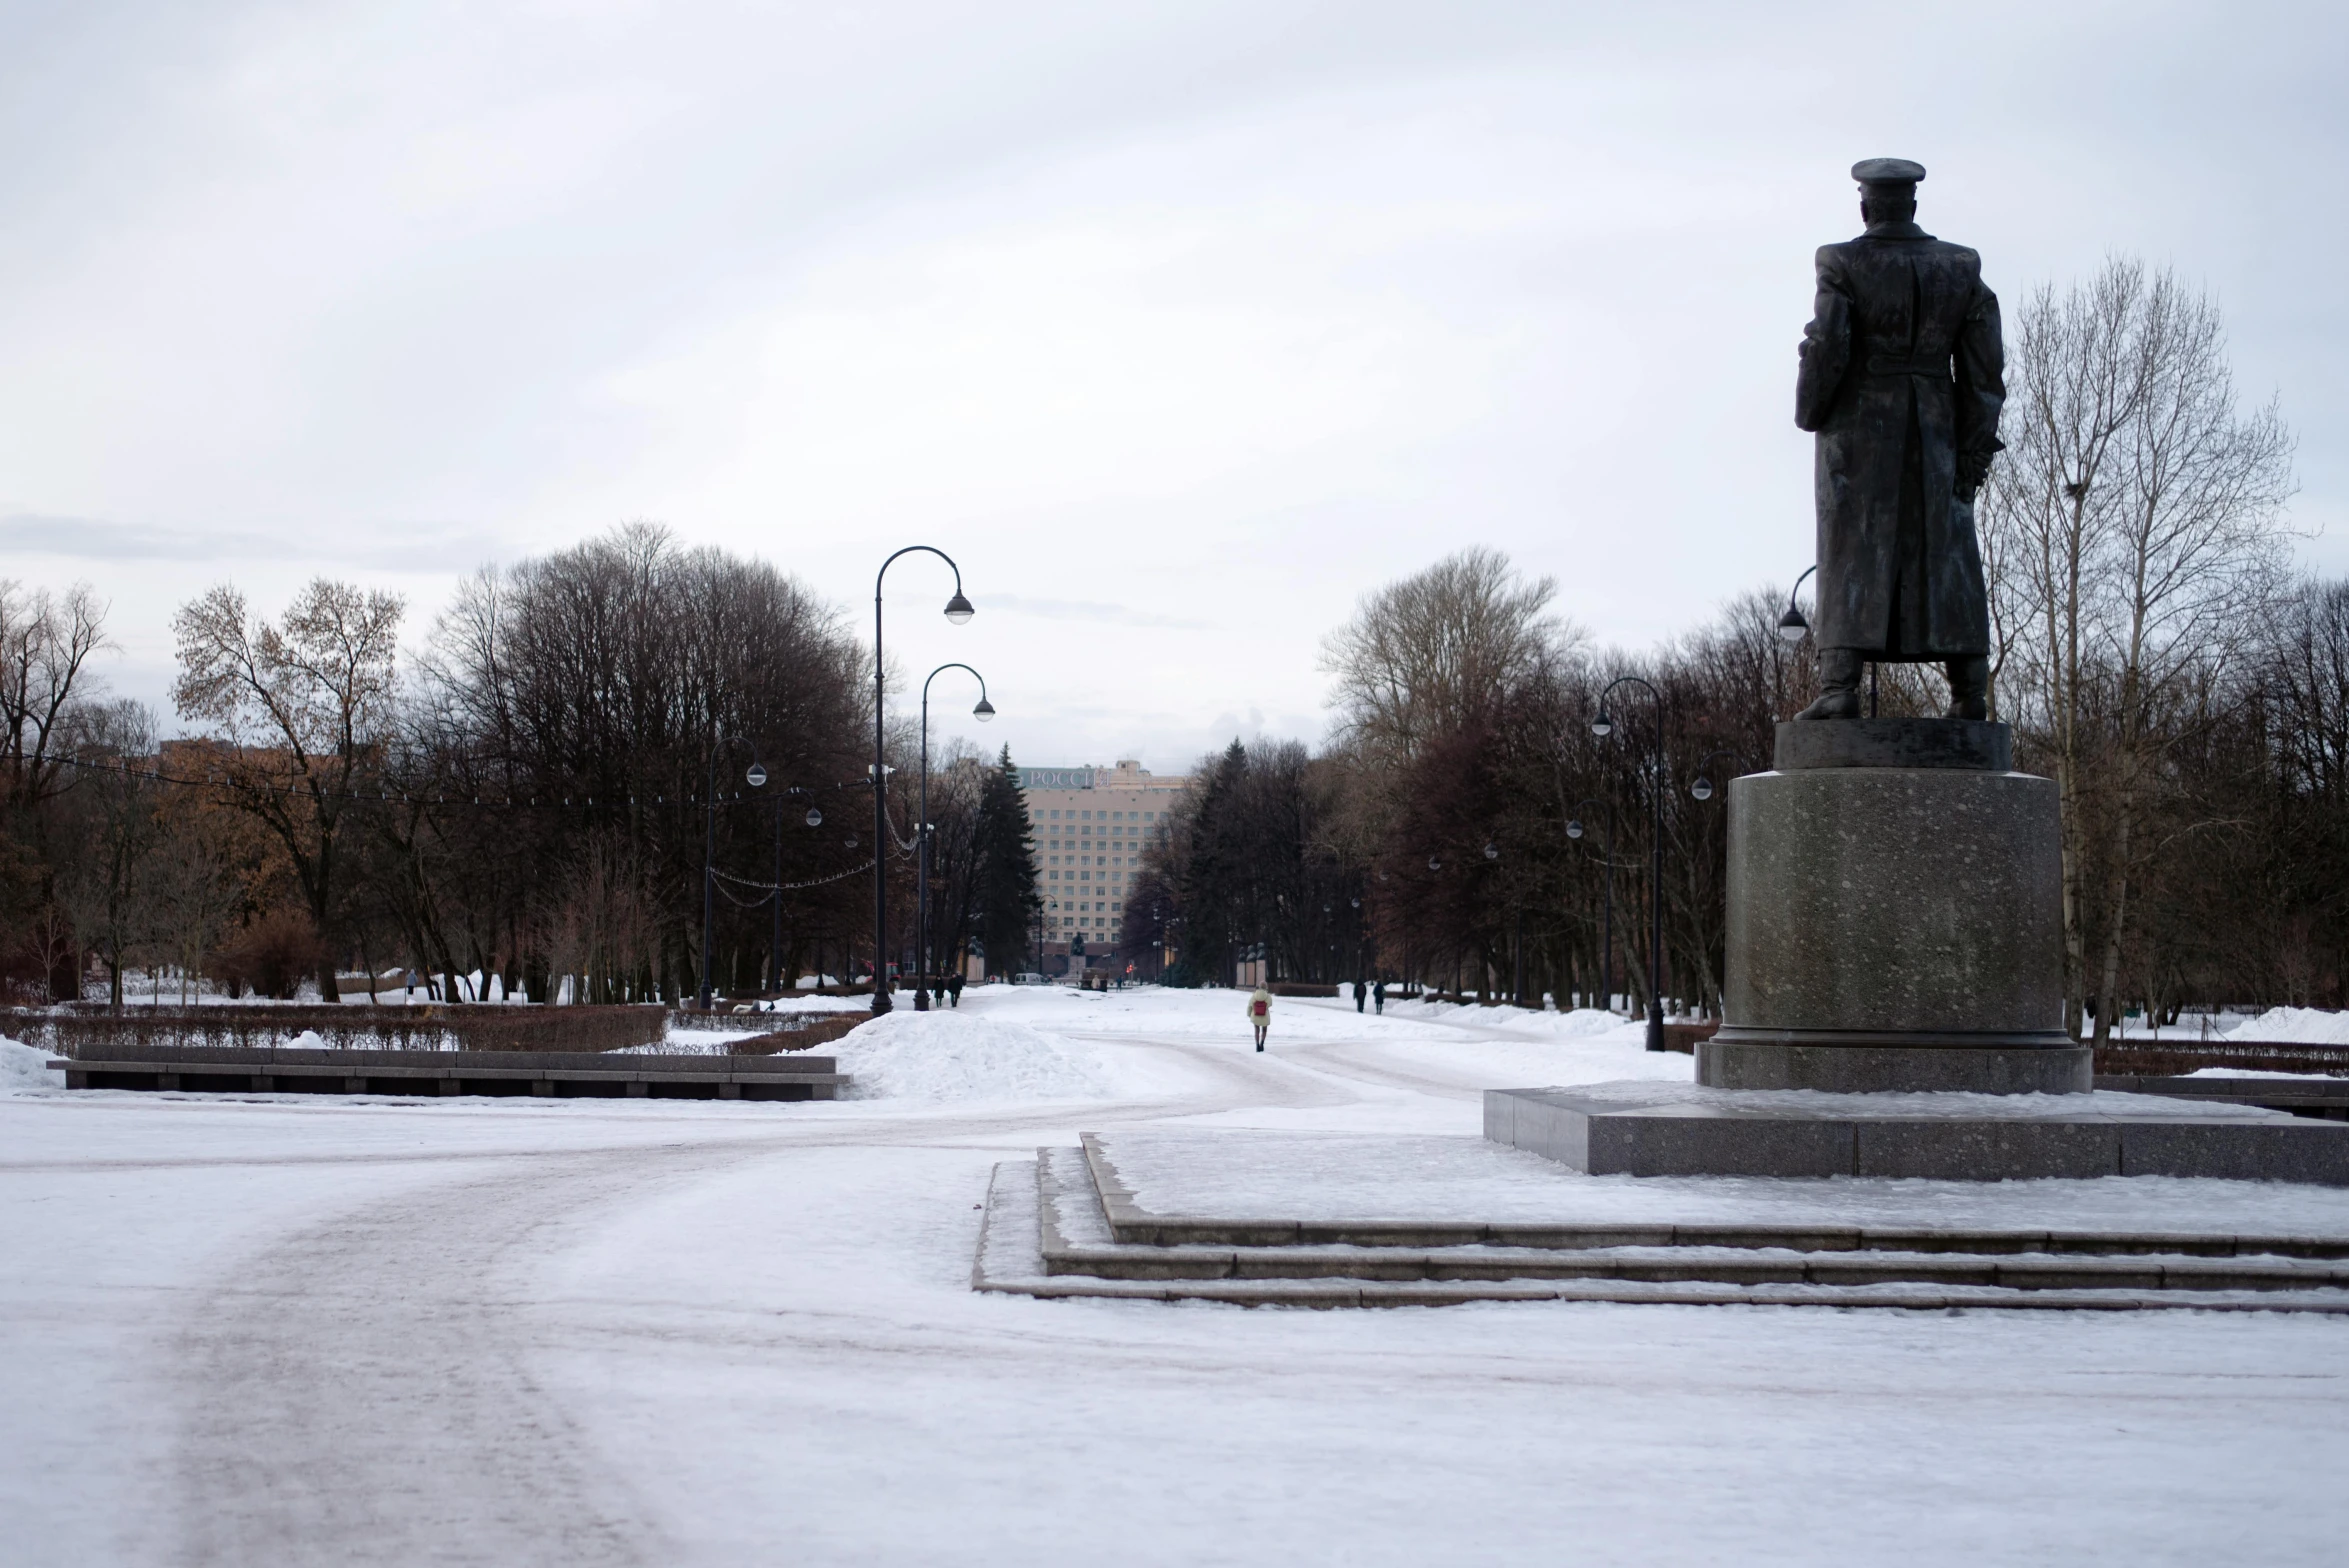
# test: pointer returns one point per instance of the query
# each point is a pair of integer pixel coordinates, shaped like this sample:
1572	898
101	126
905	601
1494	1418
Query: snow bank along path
25	1070
678	1332
958	1055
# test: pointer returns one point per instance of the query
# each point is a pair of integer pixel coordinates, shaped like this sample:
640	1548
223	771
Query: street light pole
775	928
983	712
958	611
1607	929
1601	726
709	856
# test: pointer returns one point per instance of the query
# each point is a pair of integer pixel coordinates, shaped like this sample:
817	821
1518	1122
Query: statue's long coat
1902	369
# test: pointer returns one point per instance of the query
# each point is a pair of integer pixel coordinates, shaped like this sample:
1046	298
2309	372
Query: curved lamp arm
1604	724
1574	825
1701	787
985	710
958	608
1791	625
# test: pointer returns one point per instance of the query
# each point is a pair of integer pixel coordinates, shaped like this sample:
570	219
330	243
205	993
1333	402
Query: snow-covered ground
361	1331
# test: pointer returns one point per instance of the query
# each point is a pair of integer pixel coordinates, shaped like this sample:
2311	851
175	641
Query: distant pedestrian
1360	991
954	989
1260	1013
1378	994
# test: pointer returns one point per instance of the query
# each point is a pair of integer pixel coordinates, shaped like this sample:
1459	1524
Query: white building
1090	825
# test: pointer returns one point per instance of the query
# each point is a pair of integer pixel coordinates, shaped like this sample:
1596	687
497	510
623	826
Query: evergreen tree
1003	869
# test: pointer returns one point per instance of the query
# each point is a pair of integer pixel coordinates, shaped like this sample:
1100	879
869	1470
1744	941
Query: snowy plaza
281	1329
1241	782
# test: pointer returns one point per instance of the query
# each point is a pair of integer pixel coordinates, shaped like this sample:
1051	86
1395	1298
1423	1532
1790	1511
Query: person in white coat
1260	1014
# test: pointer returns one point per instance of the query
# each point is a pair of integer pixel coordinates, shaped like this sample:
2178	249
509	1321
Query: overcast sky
1179	325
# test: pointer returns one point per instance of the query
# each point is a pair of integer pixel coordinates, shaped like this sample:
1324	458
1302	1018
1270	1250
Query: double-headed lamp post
757	775
1574	829
1605	725
958	611
983	712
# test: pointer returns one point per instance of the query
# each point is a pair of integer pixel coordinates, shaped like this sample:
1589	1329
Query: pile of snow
24	1070
2294	1026
1574	1024
308	1040
814	1004
905	1055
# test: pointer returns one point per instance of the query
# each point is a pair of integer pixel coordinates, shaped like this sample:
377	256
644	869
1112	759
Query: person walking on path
1260	1013
954	988
1360	991
1378	994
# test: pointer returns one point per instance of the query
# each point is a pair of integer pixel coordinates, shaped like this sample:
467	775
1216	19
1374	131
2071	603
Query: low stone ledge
1639	1129
539	1074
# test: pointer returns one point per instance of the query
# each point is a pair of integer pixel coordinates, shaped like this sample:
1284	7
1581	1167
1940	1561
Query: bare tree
46	643
1438	652
191	887
116	806
305	705
2135	529
2196	552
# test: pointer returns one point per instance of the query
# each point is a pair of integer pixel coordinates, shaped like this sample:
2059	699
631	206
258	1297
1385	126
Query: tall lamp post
814	819
958	611
709	857
1602	726
1574	830
1701	787
983	712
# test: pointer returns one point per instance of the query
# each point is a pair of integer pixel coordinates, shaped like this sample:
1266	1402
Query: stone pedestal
1894	1004
1894	917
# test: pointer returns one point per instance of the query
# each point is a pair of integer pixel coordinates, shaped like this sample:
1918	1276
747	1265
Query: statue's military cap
1887	171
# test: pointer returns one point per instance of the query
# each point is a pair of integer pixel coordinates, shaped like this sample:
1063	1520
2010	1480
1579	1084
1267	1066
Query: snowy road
581	1332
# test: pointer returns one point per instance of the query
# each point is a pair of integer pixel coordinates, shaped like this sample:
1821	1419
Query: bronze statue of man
1902	378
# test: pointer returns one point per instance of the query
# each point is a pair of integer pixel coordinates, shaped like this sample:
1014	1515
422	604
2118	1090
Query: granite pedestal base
1899	1068
1895	919
1664	1129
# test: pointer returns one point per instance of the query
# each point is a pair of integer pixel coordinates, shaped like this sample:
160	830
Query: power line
463	799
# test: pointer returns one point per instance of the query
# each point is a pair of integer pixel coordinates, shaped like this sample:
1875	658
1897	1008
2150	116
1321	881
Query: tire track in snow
362	1391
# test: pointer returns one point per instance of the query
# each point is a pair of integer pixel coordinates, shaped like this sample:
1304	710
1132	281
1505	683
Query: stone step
1128	1222
1046	1233
1075	1238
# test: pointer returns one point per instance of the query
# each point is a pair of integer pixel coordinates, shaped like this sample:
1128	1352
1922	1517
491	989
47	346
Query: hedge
487	1027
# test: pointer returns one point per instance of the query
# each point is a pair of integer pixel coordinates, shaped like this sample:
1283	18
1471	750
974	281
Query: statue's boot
1839	686
1969	687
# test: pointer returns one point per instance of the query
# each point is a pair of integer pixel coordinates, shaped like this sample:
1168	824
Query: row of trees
2155	654
533	800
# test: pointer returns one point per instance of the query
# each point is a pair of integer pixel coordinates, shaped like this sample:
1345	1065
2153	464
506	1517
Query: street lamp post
958	611
1701	788
983	712
1602	726
1607	926
1492	853
814	819
709	858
